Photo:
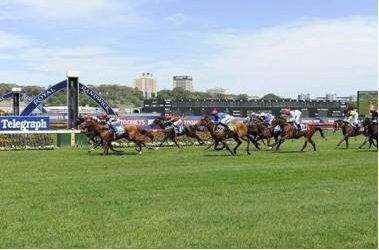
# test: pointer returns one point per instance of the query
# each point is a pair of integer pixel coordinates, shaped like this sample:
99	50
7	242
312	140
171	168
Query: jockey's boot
226	129
298	127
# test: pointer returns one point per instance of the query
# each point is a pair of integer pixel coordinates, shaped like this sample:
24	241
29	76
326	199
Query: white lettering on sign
23	125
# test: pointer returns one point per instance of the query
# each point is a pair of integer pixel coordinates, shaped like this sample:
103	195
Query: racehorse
92	138
170	133
371	133
290	132
131	133
260	131
239	132
347	130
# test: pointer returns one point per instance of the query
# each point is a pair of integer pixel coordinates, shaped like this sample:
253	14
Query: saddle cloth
302	127
119	129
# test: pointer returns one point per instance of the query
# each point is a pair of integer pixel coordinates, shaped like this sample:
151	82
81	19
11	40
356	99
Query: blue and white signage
24	123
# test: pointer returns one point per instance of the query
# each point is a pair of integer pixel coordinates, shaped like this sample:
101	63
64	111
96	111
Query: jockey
266	118
352	118
294	116
176	121
222	119
112	122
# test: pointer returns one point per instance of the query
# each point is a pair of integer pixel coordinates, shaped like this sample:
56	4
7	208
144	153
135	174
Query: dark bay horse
220	135
371	132
131	133
170	133
258	129
290	132
347	130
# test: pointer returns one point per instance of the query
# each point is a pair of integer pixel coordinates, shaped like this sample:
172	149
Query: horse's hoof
140	152
270	148
156	148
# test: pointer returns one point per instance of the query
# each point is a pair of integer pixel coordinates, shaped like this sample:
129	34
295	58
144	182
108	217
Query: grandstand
240	108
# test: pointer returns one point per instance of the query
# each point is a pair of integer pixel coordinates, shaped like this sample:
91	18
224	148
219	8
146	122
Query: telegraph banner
24	123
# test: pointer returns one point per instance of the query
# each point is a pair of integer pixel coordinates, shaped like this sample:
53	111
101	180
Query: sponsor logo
24	123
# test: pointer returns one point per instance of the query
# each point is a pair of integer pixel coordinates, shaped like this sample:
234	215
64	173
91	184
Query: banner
24	123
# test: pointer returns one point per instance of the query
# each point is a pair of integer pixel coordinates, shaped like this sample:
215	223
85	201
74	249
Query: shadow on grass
291	152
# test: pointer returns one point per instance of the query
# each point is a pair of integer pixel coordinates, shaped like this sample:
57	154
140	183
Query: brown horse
290	132
260	131
170	133
131	133
347	130
220	135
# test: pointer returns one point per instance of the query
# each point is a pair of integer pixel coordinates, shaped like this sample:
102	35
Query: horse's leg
238	144
139	147
174	140
304	145
164	140
199	140
367	139
280	141
247	139
343	139
227	147
313	144
347	142
255	142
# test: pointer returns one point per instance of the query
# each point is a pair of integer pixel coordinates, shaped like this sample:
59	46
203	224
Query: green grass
190	198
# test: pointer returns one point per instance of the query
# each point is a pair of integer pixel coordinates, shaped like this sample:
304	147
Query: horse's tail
321	132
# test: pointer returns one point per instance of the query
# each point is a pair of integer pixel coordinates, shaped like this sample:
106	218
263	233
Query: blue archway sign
24	97
61	86
5	96
96	98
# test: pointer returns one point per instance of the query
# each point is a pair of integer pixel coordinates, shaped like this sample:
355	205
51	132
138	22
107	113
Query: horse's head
159	122
277	121
80	120
204	121
337	124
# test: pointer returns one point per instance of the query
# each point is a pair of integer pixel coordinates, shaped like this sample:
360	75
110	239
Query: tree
271	96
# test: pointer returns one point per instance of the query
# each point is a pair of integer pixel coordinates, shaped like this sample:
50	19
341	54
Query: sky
285	47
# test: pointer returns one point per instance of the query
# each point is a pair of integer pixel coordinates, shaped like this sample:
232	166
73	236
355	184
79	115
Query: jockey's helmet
214	112
262	114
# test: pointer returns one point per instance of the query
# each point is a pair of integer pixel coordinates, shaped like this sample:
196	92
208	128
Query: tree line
119	96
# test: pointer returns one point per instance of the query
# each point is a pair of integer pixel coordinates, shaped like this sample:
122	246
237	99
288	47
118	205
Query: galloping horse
290	132
170	133
92	138
131	133
371	132
260	131
219	135
347	130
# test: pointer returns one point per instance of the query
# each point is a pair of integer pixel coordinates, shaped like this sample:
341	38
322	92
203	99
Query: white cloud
12	41
317	57
79	12
328	56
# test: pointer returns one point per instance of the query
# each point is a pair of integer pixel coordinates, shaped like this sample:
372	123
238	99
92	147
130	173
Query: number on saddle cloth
302	127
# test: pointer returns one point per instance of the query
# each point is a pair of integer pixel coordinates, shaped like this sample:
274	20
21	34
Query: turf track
190	198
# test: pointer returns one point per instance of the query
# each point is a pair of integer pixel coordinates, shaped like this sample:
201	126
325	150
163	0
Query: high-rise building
147	84
184	82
